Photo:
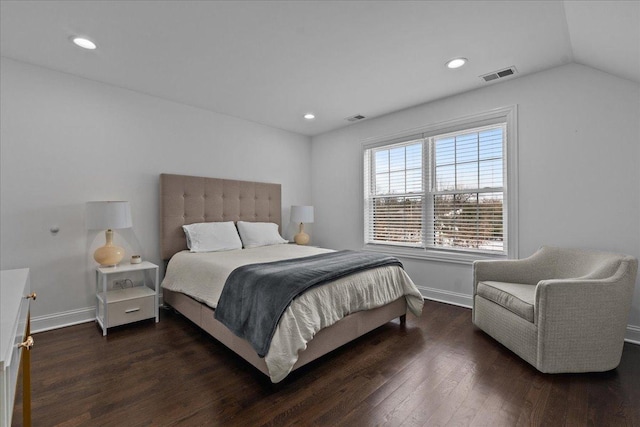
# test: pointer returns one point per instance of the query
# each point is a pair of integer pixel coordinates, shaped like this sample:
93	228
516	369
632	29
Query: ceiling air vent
355	118
499	74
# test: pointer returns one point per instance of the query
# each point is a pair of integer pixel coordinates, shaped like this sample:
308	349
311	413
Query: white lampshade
302	214
108	215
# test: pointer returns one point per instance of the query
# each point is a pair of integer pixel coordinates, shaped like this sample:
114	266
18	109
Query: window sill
466	258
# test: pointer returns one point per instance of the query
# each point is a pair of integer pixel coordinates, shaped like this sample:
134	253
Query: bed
187	200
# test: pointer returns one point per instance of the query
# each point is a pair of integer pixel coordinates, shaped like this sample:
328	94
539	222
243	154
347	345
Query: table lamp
108	215
300	215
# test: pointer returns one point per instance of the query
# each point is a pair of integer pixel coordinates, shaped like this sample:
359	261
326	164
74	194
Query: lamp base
108	255
301	238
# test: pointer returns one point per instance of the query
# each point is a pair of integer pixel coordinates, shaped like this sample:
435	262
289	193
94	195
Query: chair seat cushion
518	298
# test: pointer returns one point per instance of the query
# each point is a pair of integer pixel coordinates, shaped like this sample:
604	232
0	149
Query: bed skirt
345	330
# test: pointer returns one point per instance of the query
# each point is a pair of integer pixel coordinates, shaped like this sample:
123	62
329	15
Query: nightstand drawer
130	311
129	305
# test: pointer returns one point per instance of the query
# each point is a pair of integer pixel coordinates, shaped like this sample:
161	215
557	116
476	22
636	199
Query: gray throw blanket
255	296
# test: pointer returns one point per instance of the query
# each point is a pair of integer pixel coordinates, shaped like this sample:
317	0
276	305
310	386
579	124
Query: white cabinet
14	334
126	293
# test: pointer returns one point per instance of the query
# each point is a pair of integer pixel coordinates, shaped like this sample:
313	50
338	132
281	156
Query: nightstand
126	293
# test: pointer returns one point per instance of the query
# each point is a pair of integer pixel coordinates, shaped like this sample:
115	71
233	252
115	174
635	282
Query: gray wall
579	150
67	140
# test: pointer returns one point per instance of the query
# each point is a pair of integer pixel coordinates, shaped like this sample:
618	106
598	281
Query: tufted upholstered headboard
188	199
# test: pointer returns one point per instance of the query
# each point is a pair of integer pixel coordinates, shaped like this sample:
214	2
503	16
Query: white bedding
202	277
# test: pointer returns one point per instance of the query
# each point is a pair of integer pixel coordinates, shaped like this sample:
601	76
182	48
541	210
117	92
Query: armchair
561	310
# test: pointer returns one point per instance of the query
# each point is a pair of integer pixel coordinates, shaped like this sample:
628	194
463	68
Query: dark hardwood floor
438	370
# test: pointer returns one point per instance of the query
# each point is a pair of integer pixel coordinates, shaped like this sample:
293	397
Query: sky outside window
469	161
399	170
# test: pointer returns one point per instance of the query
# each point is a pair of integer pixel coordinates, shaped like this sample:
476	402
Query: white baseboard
62	319
633	334
88	314
453	298
463	300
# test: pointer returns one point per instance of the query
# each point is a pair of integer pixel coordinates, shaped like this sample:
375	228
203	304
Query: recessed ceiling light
83	43
309	116
456	63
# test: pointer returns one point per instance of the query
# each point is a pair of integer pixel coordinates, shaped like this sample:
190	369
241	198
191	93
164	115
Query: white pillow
254	234
212	236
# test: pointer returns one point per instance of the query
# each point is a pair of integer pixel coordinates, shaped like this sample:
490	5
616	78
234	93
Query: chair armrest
581	326
590	315
582	322
612	292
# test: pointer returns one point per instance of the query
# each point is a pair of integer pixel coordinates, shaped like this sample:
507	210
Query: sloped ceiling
272	61
606	35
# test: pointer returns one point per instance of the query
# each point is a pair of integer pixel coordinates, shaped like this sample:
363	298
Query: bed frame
189	199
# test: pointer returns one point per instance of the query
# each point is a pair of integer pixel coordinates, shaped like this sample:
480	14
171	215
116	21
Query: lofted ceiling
273	61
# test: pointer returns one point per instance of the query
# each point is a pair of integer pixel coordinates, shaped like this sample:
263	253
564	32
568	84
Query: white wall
579	150
66	140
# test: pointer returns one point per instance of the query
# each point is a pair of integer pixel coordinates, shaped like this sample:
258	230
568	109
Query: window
397	194
444	190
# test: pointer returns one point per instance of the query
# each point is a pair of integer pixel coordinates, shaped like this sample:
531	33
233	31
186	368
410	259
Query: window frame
507	115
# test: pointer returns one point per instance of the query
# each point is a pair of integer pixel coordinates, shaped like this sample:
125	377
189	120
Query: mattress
202	276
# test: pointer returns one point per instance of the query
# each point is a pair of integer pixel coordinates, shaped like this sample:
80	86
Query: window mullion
428	165
478	194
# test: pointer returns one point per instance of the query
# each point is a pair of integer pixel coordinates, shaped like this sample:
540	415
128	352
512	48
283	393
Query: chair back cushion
564	263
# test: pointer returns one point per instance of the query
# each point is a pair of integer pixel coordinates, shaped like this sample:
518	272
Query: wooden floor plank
437	370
